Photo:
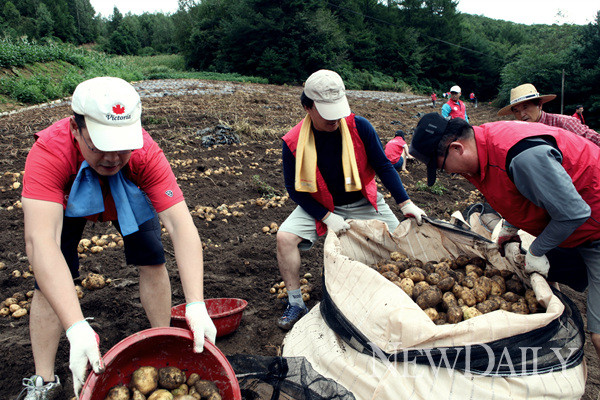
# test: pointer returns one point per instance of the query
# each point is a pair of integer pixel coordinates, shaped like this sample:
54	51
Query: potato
429	267
479	294
192	379
389	267
449	300
137	395
184	397
205	388
511	297
93	281
457	290
119	392
478	261
214	396
170	377
416	274
470	312
407	285
389	275
502	304
520	307
415	263
461	261
398	256
484	283
468	282
515	286
473	268
497	289
454	315
491	271
531	300
431	313
433	278
468	297
4	311
181	390
446	284
488	306
161	394
21	312
145	379
429	298
420	288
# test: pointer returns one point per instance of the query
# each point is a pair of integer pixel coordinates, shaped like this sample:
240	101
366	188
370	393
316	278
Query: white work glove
541	265
336	223
411	210
200	323
507	234
84	344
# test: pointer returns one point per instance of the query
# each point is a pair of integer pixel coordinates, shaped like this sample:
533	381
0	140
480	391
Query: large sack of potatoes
381	340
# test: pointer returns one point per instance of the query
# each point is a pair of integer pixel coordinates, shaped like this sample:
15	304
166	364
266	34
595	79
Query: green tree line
426	45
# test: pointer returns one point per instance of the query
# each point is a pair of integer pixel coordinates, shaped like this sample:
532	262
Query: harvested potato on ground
205	388
170	377
93	281
119	392
161	394
145	379
137	395
21	312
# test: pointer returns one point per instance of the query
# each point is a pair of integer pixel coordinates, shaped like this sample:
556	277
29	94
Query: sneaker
36	390
290	316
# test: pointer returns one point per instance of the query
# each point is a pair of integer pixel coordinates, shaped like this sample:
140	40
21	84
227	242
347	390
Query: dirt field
240	260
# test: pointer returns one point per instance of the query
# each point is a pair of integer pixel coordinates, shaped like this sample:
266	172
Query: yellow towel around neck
306	159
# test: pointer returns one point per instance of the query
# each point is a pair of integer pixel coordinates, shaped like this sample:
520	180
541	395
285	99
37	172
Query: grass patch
435	189
265	190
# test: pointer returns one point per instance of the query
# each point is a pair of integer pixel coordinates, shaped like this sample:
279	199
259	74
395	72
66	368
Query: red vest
365	171
457	109
580	160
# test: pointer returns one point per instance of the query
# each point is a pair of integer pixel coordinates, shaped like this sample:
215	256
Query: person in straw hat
330	160
100	165
541	179
526	105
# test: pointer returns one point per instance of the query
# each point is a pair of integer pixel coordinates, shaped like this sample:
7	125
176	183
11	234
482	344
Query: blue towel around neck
86	199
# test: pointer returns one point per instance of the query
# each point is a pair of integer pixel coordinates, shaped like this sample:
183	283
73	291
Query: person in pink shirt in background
394	151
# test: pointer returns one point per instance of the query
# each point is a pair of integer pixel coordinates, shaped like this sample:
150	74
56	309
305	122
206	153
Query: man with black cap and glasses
541	179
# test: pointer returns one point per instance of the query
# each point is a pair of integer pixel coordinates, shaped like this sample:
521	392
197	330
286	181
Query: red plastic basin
161	347
226	313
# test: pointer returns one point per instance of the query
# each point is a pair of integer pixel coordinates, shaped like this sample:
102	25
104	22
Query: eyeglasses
98	151
446	153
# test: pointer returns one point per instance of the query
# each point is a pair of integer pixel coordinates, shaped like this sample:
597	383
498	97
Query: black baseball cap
425	141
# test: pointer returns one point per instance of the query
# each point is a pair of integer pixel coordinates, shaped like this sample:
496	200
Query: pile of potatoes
98	244
17	305
306	288
451	291
93	282
168	383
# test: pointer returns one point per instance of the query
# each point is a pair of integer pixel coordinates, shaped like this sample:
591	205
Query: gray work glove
336	223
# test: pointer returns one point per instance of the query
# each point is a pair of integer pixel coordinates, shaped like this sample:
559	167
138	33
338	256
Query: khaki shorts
301	224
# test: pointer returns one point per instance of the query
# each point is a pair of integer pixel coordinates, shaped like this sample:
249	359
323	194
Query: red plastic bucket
226	313
161	347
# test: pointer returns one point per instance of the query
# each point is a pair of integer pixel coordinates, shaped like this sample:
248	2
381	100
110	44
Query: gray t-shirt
539	175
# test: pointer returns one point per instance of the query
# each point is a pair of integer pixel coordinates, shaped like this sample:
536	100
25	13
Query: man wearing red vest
455	108
330	160
541	179
579	114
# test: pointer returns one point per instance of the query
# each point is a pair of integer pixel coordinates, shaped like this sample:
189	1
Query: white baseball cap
327	90
112	110
456	89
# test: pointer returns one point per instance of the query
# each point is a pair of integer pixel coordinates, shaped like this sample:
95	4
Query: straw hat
524	93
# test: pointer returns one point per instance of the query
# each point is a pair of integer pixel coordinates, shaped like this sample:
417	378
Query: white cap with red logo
112	111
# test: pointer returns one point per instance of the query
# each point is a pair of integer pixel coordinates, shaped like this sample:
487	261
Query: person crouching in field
396	150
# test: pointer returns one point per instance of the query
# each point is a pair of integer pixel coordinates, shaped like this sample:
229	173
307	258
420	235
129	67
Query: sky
521	11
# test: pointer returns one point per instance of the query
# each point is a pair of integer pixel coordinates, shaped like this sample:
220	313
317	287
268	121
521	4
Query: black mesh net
283	378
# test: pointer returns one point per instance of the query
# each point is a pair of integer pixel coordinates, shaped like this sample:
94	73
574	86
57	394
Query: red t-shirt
394	149
54	160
